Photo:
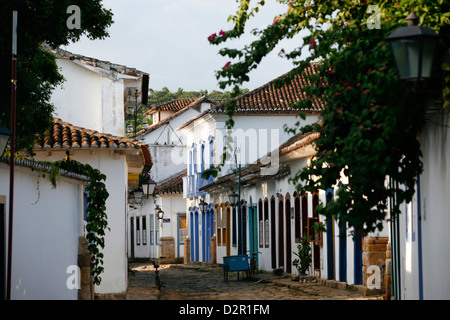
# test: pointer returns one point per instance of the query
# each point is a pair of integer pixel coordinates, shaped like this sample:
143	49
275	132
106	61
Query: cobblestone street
201	282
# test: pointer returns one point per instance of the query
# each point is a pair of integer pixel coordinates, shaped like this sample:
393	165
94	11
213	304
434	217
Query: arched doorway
273	242
288	251
316	247
297	218
280	232
330	240
304	214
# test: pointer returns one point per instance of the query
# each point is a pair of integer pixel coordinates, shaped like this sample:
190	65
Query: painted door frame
196	236
191	231
132	237
316	247
357	259
180	242
331	269
288	231
281	237
273	229
253	228
204	237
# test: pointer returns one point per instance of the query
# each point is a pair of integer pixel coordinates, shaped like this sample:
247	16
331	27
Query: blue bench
235	263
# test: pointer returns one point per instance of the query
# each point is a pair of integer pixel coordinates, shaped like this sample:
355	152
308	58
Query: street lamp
202	205
5	134
413	48
233	199
148	187
159	212
136	196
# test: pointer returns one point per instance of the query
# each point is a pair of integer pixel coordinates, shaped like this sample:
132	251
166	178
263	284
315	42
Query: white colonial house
158	224
115	157
421	269
47	232
95	93
273	216
259	117
89	125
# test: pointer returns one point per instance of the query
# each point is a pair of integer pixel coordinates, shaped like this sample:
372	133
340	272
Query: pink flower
212	37
365	91
275	20
227	64
312	44
222	33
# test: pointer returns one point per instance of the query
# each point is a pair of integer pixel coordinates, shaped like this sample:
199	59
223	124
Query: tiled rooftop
65	135
171	186
174	105
93	62
195	103
268	98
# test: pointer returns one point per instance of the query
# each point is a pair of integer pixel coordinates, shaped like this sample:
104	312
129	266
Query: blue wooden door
357	259
204	237
330	240
191	222
196	237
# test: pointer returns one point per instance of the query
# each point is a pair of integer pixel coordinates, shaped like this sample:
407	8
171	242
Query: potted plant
303	262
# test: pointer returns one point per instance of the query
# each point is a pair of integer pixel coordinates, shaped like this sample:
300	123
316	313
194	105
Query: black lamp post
159	212
233	198
5	134
413	48
148	187
202	205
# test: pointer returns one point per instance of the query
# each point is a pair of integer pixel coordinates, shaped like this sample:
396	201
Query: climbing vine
371	120
97	222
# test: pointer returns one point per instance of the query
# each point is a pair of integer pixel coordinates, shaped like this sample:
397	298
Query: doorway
280	232
316	247
288	234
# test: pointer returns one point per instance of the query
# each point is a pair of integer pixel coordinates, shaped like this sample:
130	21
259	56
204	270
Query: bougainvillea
371	120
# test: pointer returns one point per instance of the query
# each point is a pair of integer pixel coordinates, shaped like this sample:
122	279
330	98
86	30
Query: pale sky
168	39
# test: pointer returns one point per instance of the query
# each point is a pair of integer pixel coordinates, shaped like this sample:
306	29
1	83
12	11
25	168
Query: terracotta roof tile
171	186
174	105
194	103
67	136
268	98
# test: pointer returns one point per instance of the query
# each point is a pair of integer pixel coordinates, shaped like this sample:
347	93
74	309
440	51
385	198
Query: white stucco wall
434	209
114	277
79	99
91	100
45	235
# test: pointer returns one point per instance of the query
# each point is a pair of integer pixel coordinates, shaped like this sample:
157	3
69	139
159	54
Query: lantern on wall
413	48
